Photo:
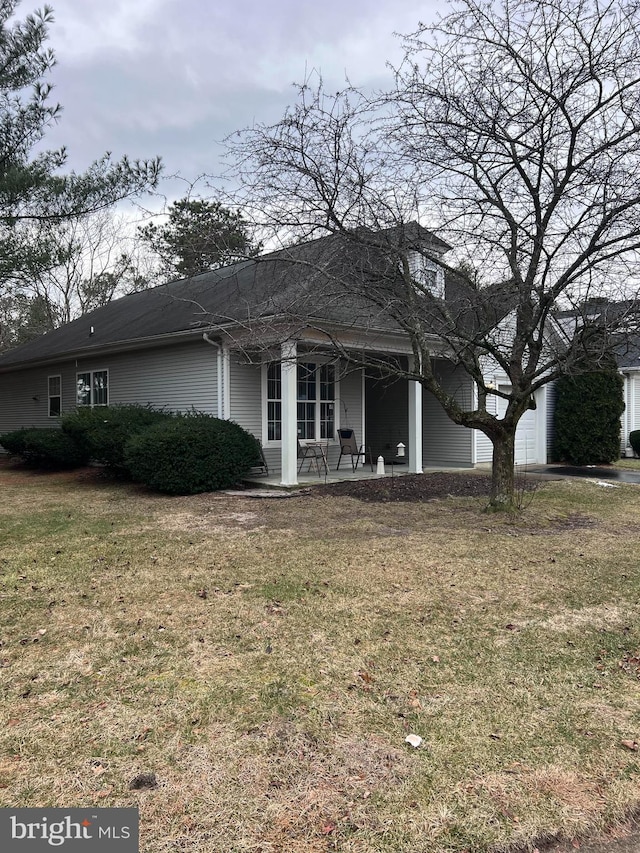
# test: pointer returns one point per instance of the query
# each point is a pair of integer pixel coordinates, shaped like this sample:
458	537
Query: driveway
620	475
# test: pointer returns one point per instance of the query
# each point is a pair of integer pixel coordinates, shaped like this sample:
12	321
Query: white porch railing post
415	427
289	443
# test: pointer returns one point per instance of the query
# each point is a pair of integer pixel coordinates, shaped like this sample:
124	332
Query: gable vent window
92	388
426	273
55	396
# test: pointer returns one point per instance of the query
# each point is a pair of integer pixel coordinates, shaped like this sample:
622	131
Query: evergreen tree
199	235
33	190
587	417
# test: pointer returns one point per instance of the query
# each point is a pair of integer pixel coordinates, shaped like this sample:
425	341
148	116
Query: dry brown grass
266	660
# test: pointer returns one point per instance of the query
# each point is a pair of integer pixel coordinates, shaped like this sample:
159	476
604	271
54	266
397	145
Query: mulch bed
412	487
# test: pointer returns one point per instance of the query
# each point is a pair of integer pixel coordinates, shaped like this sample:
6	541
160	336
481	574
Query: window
274	406
92	388
315	400
426	273
55	396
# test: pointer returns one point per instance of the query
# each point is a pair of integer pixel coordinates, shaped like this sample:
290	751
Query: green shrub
587	417
634	441
103	431
45	448
191	453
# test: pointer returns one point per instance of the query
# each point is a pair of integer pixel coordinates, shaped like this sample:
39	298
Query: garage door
526	445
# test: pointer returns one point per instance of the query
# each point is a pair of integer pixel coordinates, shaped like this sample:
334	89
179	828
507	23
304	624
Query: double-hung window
55	396
92	388
315	401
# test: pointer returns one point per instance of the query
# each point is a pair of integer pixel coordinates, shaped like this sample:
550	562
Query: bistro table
317	457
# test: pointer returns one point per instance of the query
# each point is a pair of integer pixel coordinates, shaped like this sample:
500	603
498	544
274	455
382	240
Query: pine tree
33	190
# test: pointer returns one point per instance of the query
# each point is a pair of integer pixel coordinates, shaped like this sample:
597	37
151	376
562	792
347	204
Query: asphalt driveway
621	475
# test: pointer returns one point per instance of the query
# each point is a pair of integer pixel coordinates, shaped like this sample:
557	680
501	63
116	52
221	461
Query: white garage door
526	445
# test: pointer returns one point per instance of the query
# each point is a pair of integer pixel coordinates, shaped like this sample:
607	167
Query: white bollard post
380	467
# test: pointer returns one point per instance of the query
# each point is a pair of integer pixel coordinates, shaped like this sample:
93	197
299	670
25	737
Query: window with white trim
54	392
315	401
426	273
92	388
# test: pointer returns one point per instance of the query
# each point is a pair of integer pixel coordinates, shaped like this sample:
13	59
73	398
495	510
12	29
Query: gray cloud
174	77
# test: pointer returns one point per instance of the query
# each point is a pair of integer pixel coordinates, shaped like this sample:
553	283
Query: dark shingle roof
310	280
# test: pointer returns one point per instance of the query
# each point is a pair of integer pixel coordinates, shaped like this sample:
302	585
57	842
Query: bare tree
91	260
513	129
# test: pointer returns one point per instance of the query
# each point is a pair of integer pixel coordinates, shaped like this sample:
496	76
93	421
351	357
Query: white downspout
205	337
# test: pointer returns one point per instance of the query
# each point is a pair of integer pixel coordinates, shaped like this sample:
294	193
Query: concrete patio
312	478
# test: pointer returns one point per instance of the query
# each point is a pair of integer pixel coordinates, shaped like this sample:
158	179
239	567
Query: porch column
289	417
415	427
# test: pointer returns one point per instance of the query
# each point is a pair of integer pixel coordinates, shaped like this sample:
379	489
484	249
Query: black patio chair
350	447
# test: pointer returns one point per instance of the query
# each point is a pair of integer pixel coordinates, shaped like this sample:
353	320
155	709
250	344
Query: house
273	344
629	366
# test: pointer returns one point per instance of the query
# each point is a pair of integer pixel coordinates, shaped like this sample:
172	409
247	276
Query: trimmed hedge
191	453
587	417
634	441
45	448
103	431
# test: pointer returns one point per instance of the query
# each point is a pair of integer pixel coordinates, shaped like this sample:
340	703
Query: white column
289	443
415	427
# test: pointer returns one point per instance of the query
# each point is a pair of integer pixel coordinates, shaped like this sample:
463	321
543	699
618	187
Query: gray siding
24	400
245	396
445	443
178	378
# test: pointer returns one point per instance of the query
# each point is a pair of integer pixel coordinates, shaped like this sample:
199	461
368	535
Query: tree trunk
502	479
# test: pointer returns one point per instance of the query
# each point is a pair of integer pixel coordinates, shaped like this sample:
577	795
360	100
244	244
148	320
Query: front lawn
253	667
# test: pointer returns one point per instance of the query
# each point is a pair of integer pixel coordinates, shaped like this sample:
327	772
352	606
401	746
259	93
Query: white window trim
93	405
317	360
51	396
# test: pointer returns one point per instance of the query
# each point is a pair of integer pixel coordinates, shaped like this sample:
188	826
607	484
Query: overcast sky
174	77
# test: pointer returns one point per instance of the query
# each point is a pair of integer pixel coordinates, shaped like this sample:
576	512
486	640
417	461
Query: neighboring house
629	366
266	343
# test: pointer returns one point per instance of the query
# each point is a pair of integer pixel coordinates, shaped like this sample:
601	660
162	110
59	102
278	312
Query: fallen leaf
328	828
435	659
414	740
630	744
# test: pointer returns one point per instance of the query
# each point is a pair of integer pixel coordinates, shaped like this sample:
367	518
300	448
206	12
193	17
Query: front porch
311	478
309	393
333	409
